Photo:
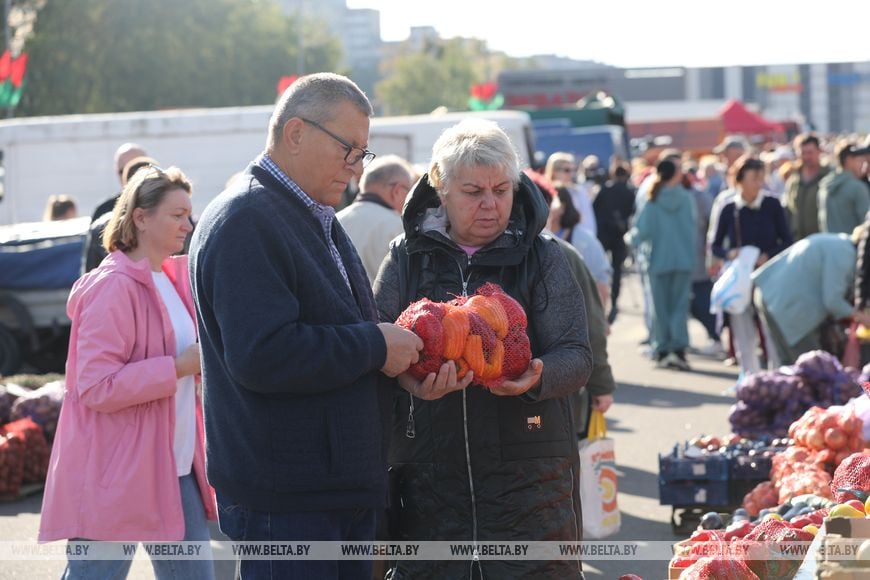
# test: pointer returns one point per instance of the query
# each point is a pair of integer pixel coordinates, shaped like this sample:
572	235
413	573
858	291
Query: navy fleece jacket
291	357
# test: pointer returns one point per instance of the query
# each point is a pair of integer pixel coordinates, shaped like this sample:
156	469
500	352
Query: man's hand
525	382
436	386
602	402
403	348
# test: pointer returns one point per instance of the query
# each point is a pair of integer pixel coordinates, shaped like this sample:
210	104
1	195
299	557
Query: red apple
857	504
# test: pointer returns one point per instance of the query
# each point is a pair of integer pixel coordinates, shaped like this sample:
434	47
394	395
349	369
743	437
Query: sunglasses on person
350	157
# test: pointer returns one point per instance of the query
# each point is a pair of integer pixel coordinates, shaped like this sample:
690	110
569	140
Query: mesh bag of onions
484	333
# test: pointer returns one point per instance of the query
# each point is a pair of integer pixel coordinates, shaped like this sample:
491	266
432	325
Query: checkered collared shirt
324	214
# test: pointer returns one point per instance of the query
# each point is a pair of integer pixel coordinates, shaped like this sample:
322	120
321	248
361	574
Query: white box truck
72	154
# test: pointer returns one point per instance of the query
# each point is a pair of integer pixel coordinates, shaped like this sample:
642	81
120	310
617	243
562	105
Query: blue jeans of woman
195	530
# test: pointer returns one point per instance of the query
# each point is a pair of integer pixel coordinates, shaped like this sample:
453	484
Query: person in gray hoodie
668	221
843	196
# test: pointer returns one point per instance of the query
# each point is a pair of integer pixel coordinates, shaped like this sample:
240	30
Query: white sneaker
712	348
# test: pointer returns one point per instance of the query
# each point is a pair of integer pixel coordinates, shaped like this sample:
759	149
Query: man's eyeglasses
353	154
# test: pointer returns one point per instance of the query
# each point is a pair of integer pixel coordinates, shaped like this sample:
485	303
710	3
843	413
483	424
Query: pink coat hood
112	474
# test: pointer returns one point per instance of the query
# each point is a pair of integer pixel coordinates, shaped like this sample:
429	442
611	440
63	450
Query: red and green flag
283	82
485	97
12	71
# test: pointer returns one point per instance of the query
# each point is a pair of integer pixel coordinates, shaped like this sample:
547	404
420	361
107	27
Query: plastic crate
694	493
754	468
673	467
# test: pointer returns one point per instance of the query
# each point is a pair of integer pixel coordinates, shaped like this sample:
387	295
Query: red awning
738	119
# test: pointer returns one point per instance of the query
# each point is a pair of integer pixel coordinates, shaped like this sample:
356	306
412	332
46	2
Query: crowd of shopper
281	329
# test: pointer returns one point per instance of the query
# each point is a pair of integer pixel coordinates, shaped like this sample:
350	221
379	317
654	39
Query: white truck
72	154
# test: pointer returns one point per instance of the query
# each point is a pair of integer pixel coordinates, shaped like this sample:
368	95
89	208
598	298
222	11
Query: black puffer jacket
473	466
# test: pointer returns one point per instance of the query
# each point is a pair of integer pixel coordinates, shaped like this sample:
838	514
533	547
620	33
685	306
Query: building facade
831	98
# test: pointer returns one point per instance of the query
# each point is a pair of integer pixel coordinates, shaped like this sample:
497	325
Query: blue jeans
244	525
195	530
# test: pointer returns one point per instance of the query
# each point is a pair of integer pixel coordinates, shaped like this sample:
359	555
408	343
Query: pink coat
112	474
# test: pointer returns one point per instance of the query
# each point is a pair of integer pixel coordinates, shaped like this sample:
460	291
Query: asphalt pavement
654	409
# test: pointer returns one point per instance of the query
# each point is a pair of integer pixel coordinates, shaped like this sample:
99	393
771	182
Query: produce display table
807	571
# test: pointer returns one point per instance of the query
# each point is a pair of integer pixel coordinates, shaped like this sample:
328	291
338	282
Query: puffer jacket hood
528	218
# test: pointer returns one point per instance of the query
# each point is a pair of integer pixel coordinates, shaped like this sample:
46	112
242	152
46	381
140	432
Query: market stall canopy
736	118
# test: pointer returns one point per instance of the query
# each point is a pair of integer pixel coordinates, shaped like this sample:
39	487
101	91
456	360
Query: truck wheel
10	354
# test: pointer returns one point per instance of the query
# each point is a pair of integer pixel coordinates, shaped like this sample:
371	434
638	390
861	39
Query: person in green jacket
844	197
668	221
803	287
599	390
801	197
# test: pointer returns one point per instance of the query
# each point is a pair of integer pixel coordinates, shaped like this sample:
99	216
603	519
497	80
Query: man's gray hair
385	170
315	97
471	143
124	149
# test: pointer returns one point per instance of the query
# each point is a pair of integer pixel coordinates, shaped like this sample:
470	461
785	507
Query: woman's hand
762	259
435	386
525	382
187	363
602	403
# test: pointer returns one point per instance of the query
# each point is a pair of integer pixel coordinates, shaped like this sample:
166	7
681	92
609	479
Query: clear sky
658	33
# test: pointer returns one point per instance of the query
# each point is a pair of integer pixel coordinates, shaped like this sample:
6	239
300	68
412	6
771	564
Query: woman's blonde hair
471	143
146	189
556	158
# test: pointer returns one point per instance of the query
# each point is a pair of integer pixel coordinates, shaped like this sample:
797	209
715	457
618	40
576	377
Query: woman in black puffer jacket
470	464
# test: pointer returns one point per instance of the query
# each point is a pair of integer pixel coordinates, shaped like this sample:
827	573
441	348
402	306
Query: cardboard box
836	571
848	527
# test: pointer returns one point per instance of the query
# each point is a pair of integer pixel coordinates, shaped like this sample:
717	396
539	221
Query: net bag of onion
484	333
852	478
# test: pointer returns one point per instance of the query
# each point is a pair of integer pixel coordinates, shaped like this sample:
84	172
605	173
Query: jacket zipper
475	559
410	428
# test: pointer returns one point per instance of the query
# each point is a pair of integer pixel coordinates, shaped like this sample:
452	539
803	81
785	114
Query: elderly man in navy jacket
291	347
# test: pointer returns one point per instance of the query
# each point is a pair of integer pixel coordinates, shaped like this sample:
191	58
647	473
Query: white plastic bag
732	292
598	484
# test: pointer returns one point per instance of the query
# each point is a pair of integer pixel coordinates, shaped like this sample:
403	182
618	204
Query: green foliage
419	82
439	75
92	56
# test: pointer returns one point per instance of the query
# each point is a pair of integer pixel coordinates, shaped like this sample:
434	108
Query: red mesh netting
36	450
11	463
851	476
716	568
484	333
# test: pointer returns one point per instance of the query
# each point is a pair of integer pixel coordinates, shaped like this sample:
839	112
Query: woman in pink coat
128	458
